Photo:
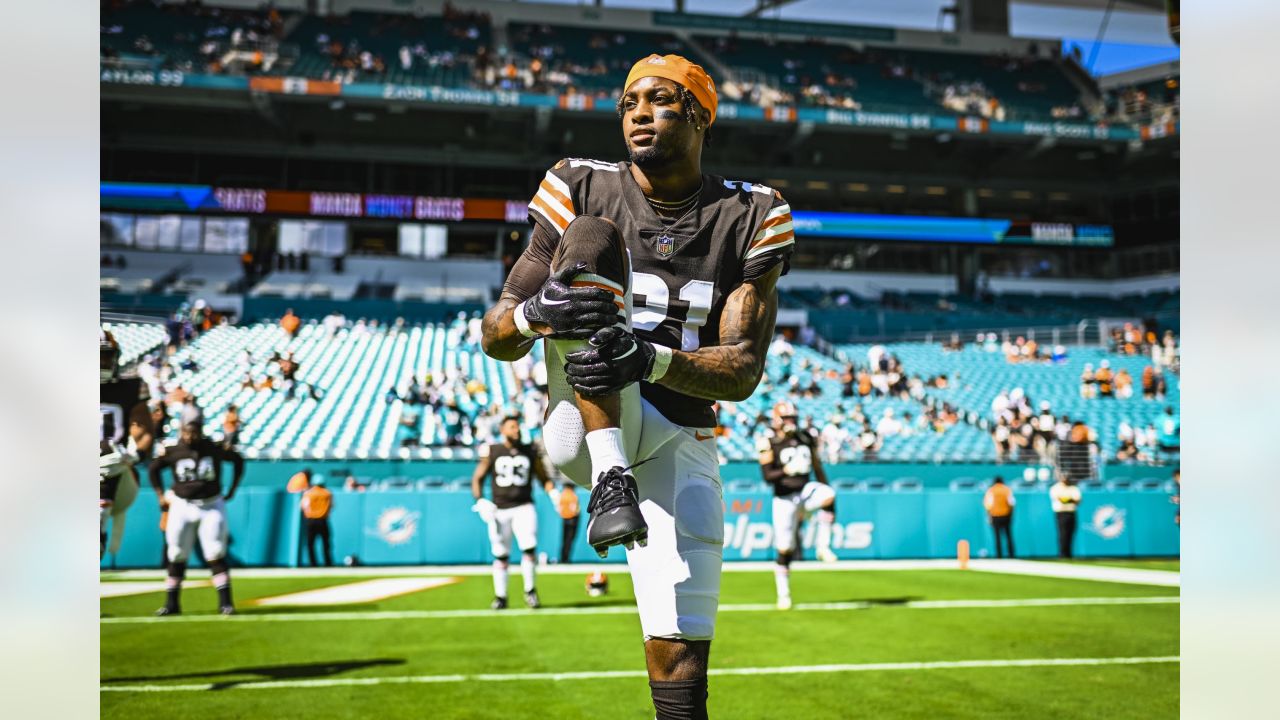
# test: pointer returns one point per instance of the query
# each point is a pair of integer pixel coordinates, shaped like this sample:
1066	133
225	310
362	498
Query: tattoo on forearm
732	369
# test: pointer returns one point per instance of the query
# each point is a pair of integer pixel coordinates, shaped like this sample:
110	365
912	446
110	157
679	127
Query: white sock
823	540
606	451
528	570
499	579
782	579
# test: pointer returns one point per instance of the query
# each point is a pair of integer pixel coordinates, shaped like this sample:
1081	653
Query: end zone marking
357	592
133	587
612	674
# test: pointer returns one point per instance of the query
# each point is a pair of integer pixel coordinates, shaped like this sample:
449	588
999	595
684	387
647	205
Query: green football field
858	644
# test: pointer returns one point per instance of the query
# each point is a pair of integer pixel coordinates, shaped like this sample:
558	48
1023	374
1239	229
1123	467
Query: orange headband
678	69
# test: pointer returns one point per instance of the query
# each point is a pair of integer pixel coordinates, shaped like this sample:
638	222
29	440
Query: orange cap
678	69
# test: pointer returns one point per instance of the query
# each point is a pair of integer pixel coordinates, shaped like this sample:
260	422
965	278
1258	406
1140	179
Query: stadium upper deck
471	49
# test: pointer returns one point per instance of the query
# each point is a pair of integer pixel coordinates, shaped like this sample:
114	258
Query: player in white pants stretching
655	286
790	463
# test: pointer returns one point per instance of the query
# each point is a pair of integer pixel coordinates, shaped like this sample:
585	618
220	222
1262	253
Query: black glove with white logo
615	359
564	312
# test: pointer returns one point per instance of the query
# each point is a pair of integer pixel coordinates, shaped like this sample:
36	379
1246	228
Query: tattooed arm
732	369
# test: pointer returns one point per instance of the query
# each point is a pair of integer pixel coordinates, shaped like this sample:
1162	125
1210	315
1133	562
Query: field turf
402	658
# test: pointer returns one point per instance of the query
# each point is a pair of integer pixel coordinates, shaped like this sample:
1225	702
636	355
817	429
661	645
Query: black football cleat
168	610
615	512
499	603
531	599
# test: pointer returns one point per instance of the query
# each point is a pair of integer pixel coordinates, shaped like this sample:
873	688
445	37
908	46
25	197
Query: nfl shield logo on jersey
665	245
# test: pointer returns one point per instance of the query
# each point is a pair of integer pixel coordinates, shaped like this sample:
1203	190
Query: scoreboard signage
260	201
985	231
864	226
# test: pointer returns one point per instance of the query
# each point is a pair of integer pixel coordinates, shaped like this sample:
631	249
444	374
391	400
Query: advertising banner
411	527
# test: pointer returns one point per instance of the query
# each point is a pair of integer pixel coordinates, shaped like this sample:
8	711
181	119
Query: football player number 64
696	295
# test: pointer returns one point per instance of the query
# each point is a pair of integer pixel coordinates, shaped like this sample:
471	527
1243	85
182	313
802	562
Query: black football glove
570	313
615	359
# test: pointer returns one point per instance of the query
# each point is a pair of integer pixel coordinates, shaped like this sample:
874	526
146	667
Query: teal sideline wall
275	473
410	527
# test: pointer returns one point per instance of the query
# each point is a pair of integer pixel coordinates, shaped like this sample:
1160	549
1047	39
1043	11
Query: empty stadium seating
135	339
354	372
977	377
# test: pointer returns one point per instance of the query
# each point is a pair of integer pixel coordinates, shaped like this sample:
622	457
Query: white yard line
1070	571
141	587
1100	573
357	592
612	674
631	610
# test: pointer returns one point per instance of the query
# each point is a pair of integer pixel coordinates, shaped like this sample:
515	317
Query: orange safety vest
997	500
316	503
569	504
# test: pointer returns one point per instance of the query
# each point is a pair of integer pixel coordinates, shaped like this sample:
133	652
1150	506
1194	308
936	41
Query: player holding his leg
511	463
124	439
196	505
788	461
655	287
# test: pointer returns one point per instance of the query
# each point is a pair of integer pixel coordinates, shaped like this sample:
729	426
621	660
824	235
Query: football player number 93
508	471
696	295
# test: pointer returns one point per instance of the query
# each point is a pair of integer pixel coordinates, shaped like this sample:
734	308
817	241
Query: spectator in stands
290	323
1059	355
1124	384
407	432
834	439
1088	382
333	323
569	511
1065	499
317	504
999	502
869	442
1002	438
1169	432
231	427
889	425
1128	449
1149	382
1105	379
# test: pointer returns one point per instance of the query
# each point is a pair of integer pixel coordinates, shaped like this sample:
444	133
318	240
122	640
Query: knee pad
680	699
699	511
177	569
531	553
783	559
218	567
502	559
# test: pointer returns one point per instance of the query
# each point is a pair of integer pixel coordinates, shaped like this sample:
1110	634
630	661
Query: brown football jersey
681	269
512	473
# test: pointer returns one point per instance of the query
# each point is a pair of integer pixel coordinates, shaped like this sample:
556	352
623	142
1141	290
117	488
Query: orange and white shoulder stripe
554	202
604	283
776	231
